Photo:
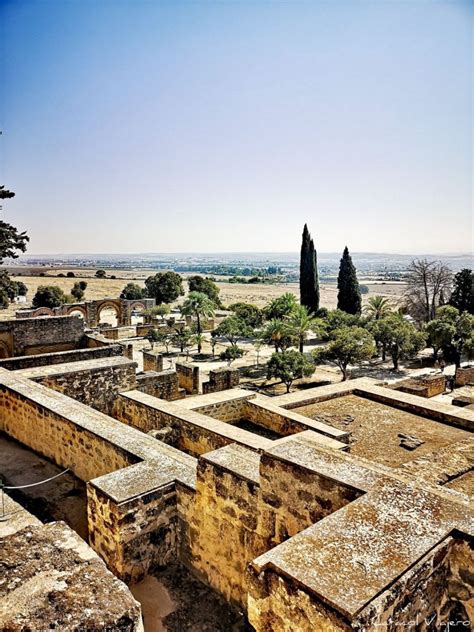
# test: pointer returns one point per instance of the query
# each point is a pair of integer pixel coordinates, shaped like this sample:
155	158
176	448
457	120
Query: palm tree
378	307
199	305
276	333
300	323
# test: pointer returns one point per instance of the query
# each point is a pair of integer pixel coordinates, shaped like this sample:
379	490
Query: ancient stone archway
110	305
43	311
77	308
135	310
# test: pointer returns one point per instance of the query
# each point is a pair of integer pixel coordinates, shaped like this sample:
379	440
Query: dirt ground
259	294
173	600
375	428
64	498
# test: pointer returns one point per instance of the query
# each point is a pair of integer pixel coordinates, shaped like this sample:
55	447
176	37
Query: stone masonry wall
136	537
188	377
61	357
44	335
152	361
96	384
57	438
294	498
163	385
465	375
221	380
223	522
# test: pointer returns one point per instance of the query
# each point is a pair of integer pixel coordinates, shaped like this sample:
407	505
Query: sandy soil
61	499
174	601
375	428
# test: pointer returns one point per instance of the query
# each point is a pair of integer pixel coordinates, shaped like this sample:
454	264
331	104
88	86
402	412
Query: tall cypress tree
348	296
309	283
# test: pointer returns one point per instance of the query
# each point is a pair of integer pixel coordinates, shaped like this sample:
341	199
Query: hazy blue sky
224	126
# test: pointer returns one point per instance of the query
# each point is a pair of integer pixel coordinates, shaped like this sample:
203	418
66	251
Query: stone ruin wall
428	386
61	357
164	385
58	438
188	377
41	335
134	537
221	380
95	386
243	503
464	376
152	361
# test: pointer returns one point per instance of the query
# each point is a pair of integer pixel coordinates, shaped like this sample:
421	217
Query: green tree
348	345
4	299
278	334
49	296
153	337
336	318
100	274
78	290
377	307
300	323
164	287
280	308
200	306
381	331
250	314
348	296
455	333
403	338
11	241
132	292
289	366
231	353
10	287
70	275
233	329
206	286
462	296
309	282
161	310
183	338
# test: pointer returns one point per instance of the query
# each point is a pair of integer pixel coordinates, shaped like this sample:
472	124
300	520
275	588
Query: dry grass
259	294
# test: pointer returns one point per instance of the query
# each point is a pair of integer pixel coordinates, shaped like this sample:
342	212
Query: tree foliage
10	287
11	240
132	292
348	345
377	307
462	296
100	274
300	323
278	334
78	290
289	366
348	296
452	332
206	286
200	306
164	287
280	308
233	329
231	353
400	337
250	314
49	296
309	282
